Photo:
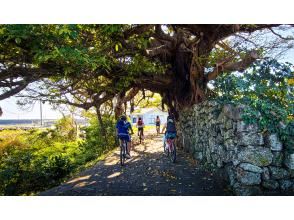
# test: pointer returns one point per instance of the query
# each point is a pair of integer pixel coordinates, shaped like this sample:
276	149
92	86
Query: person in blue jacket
123	127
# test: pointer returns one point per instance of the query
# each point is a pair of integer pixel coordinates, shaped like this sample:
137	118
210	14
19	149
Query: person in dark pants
157	123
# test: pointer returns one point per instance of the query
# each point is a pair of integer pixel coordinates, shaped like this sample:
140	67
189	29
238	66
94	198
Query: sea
34	122
11	122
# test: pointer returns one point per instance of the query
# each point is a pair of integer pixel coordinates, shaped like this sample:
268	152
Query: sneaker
127	156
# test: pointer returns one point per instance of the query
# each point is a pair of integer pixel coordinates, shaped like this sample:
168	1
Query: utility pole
41	113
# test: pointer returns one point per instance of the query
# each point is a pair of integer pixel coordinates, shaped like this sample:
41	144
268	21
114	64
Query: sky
12	111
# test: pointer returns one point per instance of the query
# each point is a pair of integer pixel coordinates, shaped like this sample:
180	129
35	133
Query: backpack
170	125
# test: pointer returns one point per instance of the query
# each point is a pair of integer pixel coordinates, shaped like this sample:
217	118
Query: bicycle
123	151
170	151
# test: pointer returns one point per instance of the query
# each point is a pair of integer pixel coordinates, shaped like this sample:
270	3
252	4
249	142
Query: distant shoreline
13	119
31	123
12	124
17	122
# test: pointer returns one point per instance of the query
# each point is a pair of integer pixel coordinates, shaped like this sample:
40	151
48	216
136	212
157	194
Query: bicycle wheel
165	150
173	153
122	152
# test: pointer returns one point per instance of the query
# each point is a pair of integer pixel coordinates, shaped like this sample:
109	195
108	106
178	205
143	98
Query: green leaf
116	47
17	40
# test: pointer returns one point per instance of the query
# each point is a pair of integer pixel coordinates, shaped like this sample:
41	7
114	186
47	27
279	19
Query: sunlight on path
148	172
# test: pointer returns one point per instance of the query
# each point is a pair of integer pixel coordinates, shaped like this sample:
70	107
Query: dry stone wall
254	162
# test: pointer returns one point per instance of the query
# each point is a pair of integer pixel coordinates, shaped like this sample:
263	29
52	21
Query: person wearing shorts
140	126
171	131
157	123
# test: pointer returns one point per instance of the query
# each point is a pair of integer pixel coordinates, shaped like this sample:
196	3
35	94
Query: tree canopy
89	65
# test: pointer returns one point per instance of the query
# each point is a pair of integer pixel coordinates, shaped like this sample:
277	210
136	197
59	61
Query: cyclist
171	131
123	127
140	126
157	123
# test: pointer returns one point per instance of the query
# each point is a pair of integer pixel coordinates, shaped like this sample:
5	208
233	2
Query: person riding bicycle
140	126
171	131
157	123
123	127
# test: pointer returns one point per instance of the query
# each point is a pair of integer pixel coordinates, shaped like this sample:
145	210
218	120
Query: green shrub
267	94
96	144
26	170
66	128
40	159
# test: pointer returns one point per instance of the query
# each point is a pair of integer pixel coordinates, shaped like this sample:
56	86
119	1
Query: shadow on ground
148	172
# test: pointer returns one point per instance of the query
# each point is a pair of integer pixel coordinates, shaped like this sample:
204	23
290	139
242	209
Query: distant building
148	115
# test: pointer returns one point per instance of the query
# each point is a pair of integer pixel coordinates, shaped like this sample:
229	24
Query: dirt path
149	172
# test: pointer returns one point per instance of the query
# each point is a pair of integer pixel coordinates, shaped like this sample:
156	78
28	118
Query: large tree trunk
132	105
118	109
100	120
189	85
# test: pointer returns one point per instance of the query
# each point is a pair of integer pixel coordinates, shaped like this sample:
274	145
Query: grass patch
147	128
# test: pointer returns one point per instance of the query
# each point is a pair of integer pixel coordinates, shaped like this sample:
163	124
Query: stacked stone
253	161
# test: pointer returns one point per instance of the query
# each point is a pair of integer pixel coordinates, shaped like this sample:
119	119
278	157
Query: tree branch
154	82
162	49
138	29
14	91
227	66
280	36
161	35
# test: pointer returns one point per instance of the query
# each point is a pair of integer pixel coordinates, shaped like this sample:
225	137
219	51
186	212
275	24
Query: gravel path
149	172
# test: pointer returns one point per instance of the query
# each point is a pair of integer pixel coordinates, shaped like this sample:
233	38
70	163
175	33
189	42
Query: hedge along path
149	172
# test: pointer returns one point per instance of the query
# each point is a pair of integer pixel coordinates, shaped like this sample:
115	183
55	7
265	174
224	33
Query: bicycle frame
170	144
123	151
171	151
124	145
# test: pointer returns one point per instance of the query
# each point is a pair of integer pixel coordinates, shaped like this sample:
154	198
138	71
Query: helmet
123	117
171	116
170	120
170	113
